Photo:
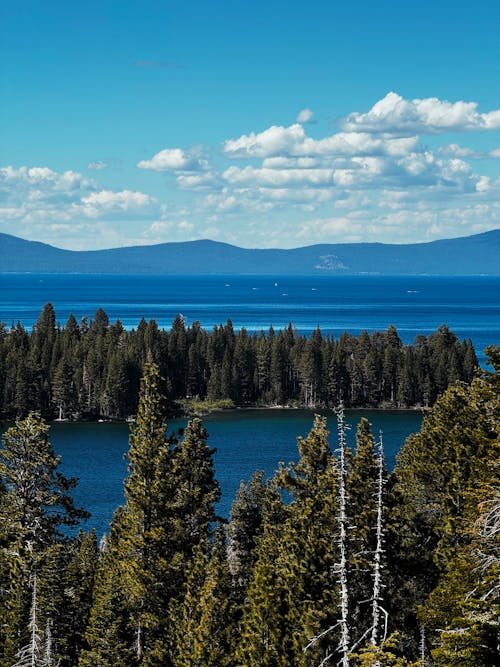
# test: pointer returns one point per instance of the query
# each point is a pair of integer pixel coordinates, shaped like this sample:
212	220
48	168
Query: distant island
472	255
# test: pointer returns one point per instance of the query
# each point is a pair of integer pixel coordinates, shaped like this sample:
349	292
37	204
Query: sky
261	124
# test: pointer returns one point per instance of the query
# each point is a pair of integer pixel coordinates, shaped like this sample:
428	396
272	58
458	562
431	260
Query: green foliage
292	593
245	528
93	370
388	654
167	589
38	499
203	630
35	504
141	583
197	408
445	478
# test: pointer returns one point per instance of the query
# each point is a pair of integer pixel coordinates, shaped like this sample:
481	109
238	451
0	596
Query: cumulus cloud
28	178
104	202
277	177
292	141
454	150
305	116
196	180
373	179
39	195
413	169
276	140
173	159
396	115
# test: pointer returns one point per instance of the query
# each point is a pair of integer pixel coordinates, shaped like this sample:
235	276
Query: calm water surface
246	440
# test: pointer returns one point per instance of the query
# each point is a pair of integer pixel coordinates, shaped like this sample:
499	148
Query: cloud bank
392	173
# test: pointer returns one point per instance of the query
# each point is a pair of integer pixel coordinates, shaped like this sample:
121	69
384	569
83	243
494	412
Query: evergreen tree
38	500
292	593
443	474
206	629
245	528
170	496
362	509
35	505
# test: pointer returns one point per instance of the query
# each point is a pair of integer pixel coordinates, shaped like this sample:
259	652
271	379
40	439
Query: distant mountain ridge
472	255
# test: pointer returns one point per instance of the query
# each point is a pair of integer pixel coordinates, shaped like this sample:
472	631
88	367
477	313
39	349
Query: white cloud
431	115
196	180
276	140
454	150
124	199
292	141
277	177
26	179
372	180
172	159
305	116
413	169
107	202
97	165
36	197
166	230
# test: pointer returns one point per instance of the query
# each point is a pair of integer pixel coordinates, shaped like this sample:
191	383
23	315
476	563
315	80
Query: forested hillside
92	369
331	562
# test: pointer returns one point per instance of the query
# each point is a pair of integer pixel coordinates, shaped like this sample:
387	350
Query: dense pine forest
333	561
92	369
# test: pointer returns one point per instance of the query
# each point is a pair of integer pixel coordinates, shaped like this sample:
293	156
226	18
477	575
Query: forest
92	369
332	561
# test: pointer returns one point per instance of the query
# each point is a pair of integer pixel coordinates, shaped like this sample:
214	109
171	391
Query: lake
246	440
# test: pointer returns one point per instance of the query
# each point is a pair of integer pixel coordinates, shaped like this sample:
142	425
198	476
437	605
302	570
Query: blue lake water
246	441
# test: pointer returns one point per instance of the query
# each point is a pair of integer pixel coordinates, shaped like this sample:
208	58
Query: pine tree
35	505
362	508
206	627
245	528
170	496
292	592
128	562
109	636
37	501
443	474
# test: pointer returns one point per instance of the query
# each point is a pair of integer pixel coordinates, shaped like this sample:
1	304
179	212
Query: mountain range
471	255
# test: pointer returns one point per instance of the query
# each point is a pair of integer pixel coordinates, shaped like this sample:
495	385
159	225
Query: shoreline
239	409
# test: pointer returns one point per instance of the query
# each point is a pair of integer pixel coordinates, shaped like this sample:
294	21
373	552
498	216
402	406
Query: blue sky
263	124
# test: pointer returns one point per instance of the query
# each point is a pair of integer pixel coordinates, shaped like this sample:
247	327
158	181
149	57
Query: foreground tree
170	496
292	592
446	475
34	506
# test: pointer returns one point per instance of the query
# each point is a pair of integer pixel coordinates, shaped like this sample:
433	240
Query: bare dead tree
377	609
343	647
345	638
29	655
